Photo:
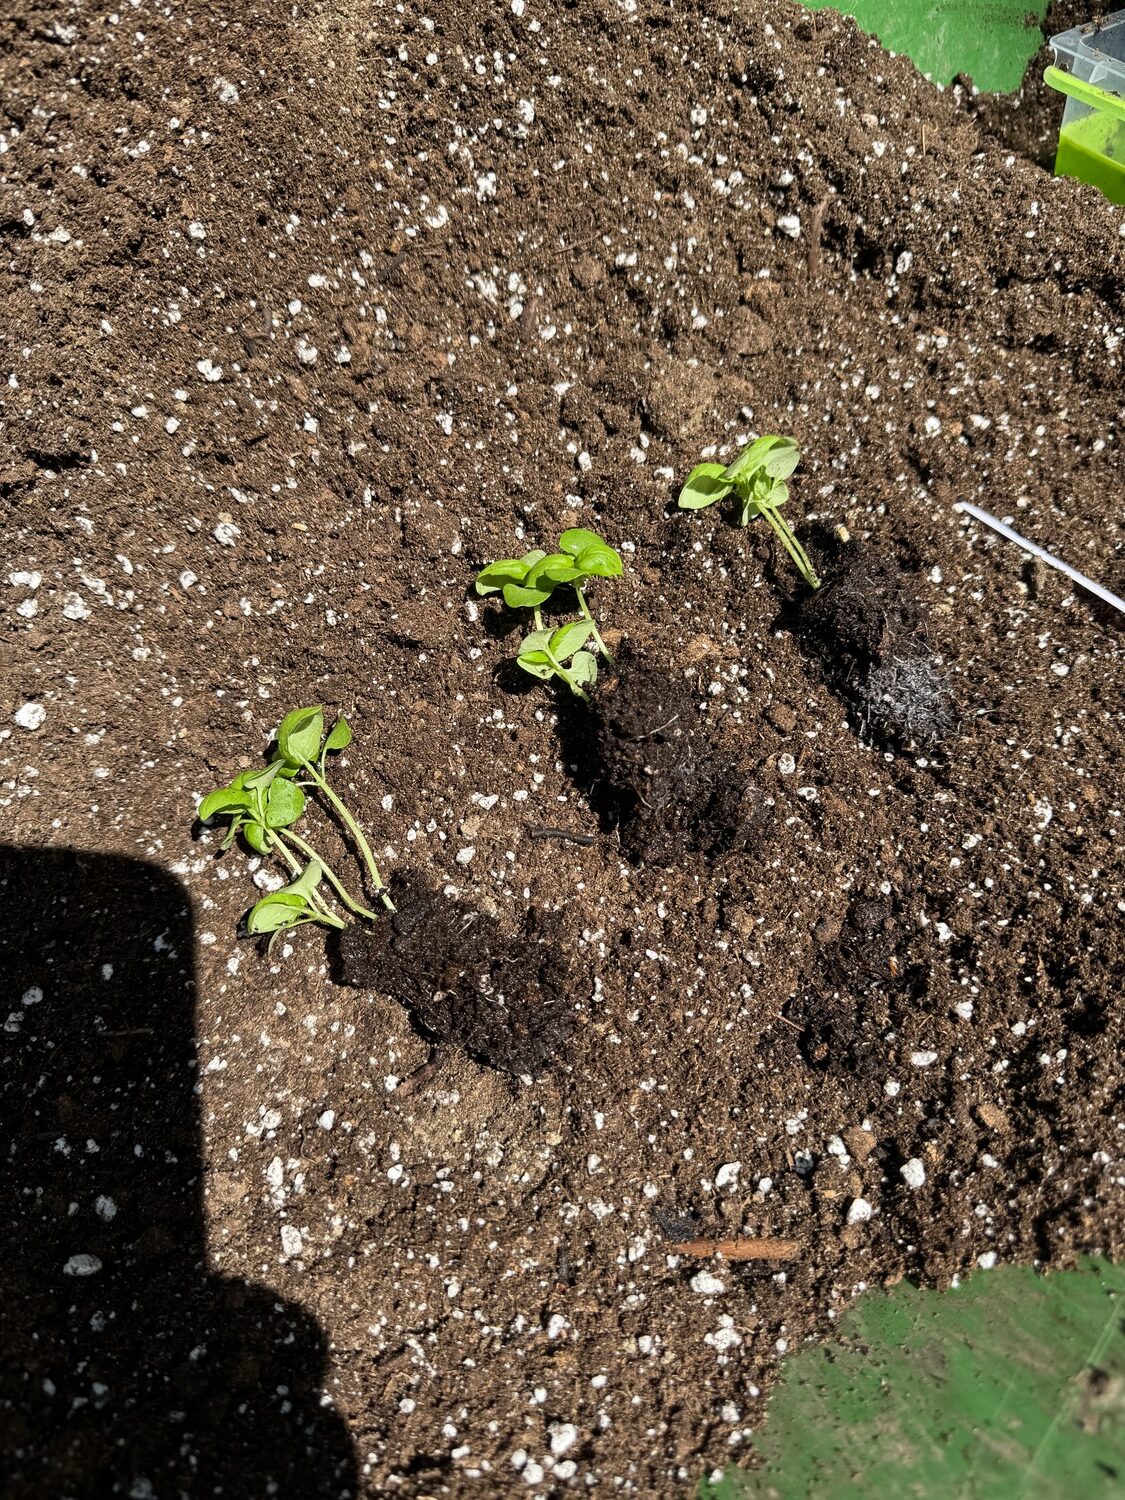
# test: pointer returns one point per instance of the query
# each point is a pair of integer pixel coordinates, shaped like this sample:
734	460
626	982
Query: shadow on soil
126	1368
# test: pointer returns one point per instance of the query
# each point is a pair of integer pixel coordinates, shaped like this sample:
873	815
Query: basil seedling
756	478
528	582
262	808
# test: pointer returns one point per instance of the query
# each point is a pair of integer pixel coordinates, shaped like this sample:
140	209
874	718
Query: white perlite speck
290	1240
913	1173
859	1212
30	715
923	1059
226	533
82	1265
707	1284
725	1337
564	1435
789	224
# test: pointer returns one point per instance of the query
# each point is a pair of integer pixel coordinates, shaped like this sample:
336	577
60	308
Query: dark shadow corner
126	1368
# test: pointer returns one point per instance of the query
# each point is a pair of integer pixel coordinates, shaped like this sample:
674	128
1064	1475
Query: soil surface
309	312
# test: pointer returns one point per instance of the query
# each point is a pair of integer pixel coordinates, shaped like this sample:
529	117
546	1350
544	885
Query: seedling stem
791	545
329	874
585	609
356	832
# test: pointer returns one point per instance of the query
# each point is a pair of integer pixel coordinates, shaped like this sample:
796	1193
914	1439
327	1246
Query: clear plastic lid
1095	52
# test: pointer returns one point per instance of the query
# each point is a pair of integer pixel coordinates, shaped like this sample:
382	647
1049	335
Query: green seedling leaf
257	837
236	825
299	735
538	664
600	562
584	668
1009	1385
533	656
570	638
538	640
283	767
577	540
507	570
556	567
705	484
340	736
593	556
276	912
518	597
257	780
751	459
285	802
782	458
224	801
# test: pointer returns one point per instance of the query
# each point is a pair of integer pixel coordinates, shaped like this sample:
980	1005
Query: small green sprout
756	478
262	807
528	582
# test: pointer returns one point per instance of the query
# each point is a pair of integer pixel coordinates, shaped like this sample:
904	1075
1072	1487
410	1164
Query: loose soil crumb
309	308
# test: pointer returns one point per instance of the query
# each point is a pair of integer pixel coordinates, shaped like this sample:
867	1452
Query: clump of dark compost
865	629
504	999
843	1005
671	782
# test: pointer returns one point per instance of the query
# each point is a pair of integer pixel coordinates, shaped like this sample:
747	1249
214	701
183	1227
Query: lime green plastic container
1090	70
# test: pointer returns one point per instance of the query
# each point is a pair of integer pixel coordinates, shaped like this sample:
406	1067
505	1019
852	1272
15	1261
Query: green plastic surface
991	40
1008	1387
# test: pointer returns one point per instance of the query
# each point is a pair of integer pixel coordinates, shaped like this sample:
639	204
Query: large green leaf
1008	1387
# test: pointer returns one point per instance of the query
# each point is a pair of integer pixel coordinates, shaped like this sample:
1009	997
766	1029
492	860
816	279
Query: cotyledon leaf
1010	1386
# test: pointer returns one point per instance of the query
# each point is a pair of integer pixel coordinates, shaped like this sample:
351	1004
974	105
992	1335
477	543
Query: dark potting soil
865	628
505	1000
671	781
306	310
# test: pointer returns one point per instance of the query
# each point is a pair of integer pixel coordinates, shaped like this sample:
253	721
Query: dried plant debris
504	999
675	785
866	631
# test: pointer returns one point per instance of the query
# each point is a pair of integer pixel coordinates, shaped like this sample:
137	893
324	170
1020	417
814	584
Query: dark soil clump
675	787
864	628
503	999
843	1007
